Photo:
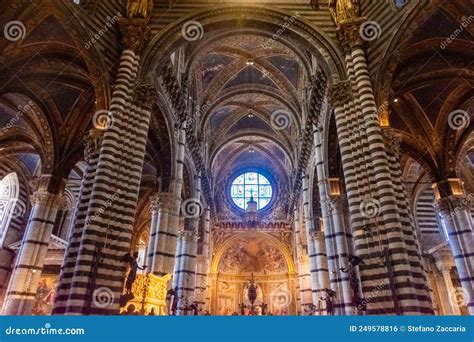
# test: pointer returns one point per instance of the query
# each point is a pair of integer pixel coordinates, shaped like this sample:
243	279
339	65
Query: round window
251	185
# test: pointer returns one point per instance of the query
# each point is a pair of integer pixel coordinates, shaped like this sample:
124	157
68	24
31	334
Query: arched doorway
253	257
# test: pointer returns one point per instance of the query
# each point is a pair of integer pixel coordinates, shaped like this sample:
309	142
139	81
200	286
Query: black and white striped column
420	280
185	274
303	286
455	217
185	265
175	204
99	271
316	249
202	270
336	238
91	155
21	292
162	205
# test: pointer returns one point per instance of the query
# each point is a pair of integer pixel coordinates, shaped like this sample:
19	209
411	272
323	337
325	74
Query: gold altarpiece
261	256
149	293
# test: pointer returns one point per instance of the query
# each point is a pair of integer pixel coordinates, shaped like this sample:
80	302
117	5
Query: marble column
202	286
162	204
454	212
21	292
318	263
302	265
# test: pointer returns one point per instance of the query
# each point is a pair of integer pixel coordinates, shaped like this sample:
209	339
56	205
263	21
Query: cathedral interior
257	157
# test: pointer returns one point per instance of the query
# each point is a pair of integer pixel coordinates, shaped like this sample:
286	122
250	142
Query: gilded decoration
149	294
252	255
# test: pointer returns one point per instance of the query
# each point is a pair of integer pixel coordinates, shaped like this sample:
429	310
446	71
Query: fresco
45	295
252	256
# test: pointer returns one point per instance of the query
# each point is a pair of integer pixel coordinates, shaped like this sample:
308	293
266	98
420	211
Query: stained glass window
251	184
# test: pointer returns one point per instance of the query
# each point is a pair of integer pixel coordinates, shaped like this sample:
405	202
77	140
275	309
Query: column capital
155	202
135	34
189	235
448	206
392	140
42	197
349	32
340	93
165	200
91	142
145	94
317	235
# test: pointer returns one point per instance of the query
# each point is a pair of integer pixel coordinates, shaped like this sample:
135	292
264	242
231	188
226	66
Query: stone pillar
161	205
454	212
374	210
302	265
173	214
202	286
153	232
91	155
185	264
185	274
419	277
316	249
336	238
21	292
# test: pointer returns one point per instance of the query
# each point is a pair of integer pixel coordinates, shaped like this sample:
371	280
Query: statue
252	291
139	9
345	10
195	308
330	294
132	274
242	309
354	261
311	309
172	297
